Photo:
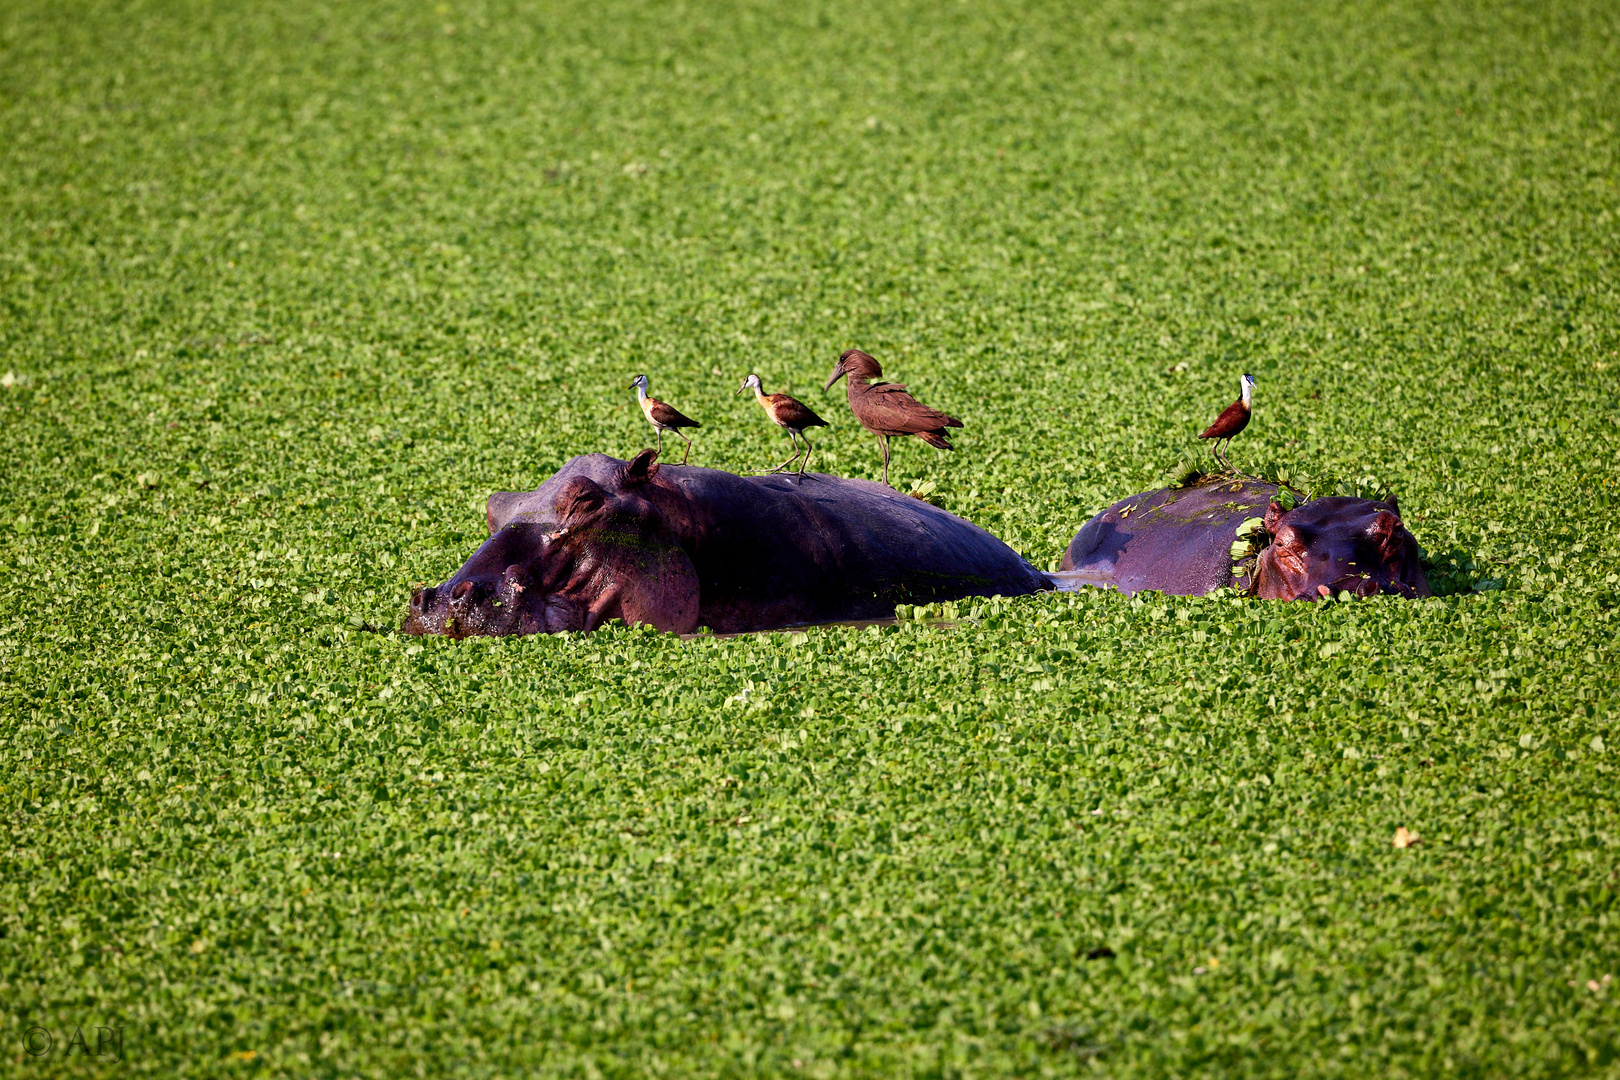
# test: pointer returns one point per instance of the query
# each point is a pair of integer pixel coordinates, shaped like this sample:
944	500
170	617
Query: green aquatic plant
286	290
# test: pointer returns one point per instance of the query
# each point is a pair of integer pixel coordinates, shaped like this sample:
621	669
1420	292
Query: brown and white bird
885	408
662	417
791	415
1233	419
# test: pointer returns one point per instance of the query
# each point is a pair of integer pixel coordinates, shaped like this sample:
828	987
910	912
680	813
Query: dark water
1075	580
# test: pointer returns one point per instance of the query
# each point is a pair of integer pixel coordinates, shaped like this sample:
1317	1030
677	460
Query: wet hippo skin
680	547
1179	541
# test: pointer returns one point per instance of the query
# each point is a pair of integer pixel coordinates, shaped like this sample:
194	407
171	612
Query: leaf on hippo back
1250	526
924	491
1241	549
1286	499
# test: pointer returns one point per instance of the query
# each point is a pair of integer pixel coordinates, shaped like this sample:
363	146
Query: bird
1233	419
789	414
885	408
662	417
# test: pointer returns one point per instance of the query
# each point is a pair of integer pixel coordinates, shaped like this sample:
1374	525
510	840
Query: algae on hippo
682	547
1250	535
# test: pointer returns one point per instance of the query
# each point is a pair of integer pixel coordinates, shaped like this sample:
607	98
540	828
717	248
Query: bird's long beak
740	389
838	373
632	386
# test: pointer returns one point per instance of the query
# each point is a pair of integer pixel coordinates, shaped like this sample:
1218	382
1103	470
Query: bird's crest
855	362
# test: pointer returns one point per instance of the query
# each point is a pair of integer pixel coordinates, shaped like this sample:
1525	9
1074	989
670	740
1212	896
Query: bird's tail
951	421
935	438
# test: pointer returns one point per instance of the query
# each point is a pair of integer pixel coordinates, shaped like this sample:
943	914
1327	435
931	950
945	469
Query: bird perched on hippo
680	548
886	409
1250	534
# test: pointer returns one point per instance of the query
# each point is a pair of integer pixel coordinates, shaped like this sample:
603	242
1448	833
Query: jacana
662	417
791	415
885	408
1233	419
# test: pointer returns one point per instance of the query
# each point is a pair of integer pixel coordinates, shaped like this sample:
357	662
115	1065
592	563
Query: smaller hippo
1186	541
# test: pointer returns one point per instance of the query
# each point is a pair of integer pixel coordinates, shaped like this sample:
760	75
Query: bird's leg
782	467
688	449
1235	470
806	459
659	452
883	442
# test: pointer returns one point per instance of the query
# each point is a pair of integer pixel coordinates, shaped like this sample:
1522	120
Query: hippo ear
1274	514
639	469
1384	532
579	497
1393	506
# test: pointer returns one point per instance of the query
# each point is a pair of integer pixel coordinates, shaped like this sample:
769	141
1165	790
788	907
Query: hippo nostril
461	590
424	598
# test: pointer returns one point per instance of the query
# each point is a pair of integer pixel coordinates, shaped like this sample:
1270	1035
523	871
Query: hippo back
773	551
1174	540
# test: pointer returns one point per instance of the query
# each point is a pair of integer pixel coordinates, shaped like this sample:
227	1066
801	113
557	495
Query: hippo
1256	536
681	548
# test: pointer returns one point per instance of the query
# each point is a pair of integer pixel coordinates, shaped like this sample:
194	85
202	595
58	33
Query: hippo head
1338	544
607	554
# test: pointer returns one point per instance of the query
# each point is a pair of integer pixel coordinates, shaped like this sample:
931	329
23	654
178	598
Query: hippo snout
468	594
1360	586
426	615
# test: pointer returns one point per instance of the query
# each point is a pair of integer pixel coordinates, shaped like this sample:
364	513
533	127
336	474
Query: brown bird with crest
791	415
662	417
885	408
1233	419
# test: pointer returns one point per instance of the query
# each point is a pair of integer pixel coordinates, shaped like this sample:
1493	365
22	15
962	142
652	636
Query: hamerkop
885	408
789	414
1233	419
663	417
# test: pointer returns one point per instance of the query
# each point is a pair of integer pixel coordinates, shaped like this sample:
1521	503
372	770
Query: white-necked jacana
886	409
662	417
1233	419
789	414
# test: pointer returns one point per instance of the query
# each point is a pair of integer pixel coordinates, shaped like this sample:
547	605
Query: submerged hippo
1186	541
681	547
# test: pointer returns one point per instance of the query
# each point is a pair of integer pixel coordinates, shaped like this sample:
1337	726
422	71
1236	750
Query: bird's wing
669	416
793	413
1230	422
893	410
